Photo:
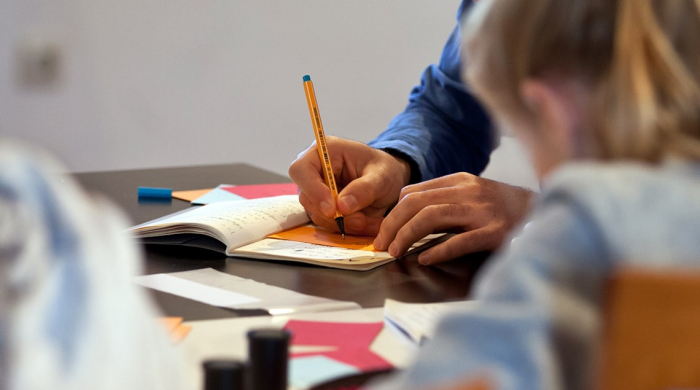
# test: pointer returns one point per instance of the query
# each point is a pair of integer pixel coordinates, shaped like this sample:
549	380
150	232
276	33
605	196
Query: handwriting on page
244	221
231	221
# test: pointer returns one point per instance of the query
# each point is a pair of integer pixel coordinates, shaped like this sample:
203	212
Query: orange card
190	195
315	235
170	323
180	332
175	328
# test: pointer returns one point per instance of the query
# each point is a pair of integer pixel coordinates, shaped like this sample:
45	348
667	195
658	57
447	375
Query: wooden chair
651	335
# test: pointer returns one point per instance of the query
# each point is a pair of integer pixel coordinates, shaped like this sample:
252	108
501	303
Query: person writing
438	145
605	95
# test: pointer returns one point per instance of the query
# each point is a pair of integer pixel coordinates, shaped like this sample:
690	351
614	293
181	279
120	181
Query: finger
461	244
429	220
307	173
324	222
317	216
359	194
408	207
362	225
437	183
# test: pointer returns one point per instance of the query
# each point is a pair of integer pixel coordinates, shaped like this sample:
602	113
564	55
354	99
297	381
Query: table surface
403	279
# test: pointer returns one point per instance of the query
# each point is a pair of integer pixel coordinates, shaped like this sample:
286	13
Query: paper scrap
351	339
179	333
263	190
221	289
419	320
193	290
170	323
305	372
338	334
217	194
175	328
316	235
190	195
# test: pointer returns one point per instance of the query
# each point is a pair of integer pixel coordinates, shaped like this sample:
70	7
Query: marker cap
150	192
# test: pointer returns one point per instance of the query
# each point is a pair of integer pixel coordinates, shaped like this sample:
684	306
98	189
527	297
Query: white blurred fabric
69	316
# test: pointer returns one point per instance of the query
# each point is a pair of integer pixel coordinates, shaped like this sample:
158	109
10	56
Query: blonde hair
639	59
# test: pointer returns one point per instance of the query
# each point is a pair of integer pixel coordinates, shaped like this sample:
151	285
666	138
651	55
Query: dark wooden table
403	279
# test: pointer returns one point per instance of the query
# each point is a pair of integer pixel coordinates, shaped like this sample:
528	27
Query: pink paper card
256	191
338	334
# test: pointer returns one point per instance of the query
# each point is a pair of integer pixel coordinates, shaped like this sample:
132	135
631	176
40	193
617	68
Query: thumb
359	194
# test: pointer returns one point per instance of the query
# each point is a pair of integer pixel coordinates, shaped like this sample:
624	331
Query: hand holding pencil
367	181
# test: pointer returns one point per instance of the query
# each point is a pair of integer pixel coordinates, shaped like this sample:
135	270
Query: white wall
179	82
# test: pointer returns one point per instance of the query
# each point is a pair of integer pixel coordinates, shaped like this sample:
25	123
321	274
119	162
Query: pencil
322	148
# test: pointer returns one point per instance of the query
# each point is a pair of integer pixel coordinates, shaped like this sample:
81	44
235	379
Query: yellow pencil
322	148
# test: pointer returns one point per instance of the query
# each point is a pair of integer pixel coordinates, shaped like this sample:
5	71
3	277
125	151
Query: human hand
479	210
369	181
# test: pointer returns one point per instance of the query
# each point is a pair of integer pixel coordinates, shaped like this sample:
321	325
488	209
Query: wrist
409	171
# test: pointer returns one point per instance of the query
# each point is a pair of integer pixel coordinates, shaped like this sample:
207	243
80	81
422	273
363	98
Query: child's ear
550	107
551	123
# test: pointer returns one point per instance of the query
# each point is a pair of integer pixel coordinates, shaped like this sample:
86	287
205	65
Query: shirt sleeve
537	313
443	129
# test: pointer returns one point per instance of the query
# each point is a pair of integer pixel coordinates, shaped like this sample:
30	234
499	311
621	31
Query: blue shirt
443	129
537	320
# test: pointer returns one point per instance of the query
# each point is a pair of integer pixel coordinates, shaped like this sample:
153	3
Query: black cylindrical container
268	354
223	374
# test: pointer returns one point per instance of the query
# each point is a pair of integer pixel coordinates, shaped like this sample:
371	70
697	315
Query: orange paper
190	195
170	323
180	332
175	328
315	235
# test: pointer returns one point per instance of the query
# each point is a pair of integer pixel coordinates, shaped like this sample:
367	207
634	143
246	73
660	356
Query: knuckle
411	199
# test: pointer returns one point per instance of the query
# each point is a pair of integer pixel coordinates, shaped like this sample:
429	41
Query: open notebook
274	228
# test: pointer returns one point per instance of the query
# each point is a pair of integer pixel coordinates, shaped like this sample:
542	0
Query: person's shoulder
625	178
633	204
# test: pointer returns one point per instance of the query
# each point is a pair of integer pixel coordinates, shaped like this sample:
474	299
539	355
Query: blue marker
160	193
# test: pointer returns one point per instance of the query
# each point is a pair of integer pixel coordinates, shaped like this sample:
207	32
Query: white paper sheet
418	320
225	290
193	290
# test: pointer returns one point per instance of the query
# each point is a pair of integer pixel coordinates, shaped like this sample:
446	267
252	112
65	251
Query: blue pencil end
307	78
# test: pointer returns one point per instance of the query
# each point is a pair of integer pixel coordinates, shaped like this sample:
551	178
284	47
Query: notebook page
242	222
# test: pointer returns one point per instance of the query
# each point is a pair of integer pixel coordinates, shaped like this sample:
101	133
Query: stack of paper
418	321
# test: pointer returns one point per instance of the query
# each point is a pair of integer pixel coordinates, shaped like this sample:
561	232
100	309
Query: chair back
651	334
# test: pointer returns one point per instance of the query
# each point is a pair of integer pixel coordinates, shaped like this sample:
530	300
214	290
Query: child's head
603	79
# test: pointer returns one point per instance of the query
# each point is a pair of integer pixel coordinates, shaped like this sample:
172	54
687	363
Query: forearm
443	129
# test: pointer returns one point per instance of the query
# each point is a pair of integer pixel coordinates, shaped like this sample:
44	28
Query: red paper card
338	334
256	191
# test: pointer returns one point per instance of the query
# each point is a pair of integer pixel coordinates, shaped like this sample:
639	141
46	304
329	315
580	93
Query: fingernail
326	208
377	243
393	249
350	202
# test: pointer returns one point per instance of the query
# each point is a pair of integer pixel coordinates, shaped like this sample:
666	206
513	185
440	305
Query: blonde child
605	95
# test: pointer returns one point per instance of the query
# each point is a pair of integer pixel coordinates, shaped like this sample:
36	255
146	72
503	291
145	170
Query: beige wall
180	82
